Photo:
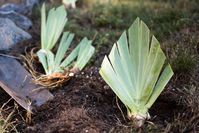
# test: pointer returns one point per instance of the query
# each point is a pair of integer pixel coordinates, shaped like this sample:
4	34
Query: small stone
10	34
106	87
91	73
20	20
71	74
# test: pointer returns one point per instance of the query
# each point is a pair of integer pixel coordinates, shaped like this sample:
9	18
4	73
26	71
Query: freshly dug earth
86	104
82	105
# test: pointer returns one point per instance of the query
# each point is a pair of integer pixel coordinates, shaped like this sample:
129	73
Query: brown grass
6	123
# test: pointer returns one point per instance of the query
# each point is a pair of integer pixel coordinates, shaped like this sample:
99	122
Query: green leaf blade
126	61
52	28
63	47
42	58
43	26
111	79
85	53
163	80
50	61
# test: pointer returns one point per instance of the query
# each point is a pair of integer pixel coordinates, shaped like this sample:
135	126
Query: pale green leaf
43	26
52	28
42	58
74	54
85	53
71	57
162	81
153	69
123	49
110	77
50	61
63	47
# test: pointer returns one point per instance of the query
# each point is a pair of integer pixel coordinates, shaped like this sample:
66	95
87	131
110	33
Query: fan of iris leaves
136	70
51	30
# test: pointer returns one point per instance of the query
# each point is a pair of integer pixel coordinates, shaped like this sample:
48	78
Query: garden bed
87	104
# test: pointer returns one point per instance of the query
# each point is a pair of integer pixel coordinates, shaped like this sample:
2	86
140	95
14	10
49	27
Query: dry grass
187	119
6	123
182	52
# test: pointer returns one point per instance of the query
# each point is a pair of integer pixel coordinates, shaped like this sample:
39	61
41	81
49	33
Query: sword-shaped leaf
52	28
63	47
85	52
42	58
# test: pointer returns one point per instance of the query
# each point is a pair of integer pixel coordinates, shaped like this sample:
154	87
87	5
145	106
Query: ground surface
87	104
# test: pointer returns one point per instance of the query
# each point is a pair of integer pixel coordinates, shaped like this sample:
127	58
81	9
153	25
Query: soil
86	104
82	105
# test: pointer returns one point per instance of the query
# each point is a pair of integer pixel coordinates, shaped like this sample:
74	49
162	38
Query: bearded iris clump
136	70
51	29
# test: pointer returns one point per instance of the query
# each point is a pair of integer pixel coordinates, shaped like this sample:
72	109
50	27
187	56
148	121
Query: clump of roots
31	62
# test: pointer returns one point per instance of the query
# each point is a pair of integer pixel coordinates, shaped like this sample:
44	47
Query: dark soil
82	105
86	104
